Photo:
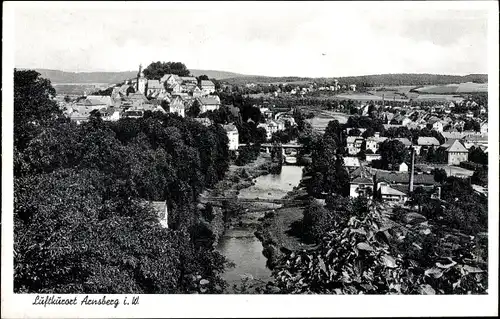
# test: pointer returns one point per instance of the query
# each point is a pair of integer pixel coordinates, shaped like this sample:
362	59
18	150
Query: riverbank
277	229
236	179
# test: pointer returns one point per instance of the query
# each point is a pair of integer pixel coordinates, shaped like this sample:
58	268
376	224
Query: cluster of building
274	123
455	145
170	94
337	87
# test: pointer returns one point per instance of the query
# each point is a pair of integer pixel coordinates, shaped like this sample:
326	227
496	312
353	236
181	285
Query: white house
426	142
484	128
177	106
207	86
209	103
110	114
390	194
373	143
457	153
354	144
351	162
372	157
403	167
232	135
437	126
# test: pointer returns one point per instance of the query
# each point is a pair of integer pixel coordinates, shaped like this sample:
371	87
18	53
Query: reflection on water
240	245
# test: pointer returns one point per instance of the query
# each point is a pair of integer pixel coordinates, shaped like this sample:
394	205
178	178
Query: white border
17	306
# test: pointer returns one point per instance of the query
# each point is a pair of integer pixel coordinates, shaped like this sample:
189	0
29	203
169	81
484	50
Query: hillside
218	75
371	80
57	76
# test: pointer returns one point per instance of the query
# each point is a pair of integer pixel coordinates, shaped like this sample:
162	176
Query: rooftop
207	83
457	147
428	141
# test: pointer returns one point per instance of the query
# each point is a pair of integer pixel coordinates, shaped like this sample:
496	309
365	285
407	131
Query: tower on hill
141	81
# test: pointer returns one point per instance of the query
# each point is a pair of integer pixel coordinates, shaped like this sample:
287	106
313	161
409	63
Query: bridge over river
217	201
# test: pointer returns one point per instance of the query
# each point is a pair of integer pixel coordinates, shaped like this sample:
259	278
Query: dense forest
82	222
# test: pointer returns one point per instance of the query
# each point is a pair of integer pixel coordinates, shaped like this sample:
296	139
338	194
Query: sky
310	39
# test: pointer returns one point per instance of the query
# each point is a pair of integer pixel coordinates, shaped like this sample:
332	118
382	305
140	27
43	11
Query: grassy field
438	97
454	88
472	87
323	117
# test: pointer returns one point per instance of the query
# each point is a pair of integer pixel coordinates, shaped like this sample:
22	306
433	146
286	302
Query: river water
239	244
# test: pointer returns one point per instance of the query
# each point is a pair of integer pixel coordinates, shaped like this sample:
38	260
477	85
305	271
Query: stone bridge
217	201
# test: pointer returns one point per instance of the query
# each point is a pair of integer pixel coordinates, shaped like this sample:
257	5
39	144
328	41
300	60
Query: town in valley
174	179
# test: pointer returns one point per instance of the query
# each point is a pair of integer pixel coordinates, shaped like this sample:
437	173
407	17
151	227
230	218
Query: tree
480	177
354	132
334	131
392	153
315	222
80	188
156	70
440	175
202	77
195	109
472	125
33	105
130	90
369	132
477	155
353	256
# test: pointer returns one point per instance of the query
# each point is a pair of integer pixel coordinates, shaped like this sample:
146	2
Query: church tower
141	81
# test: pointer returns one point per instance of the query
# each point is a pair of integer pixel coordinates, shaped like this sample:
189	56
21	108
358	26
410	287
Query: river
239	244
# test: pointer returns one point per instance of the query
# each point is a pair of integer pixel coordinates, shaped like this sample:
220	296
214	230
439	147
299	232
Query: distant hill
57	76
371	80
218	75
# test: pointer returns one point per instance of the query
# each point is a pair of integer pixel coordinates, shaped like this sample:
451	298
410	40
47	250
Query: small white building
177	106
161	209
209	103
372	157
354	144
484	128
207	86
373	143
403	167
351	162
233	136
457	153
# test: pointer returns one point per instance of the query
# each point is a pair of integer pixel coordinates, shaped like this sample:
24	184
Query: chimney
412	170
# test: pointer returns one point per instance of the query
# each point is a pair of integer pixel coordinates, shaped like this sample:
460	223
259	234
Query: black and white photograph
248	148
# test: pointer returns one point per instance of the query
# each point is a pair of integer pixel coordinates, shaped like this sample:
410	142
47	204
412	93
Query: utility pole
412	170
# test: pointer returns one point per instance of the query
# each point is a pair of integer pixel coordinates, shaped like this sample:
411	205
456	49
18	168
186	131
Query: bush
316	221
